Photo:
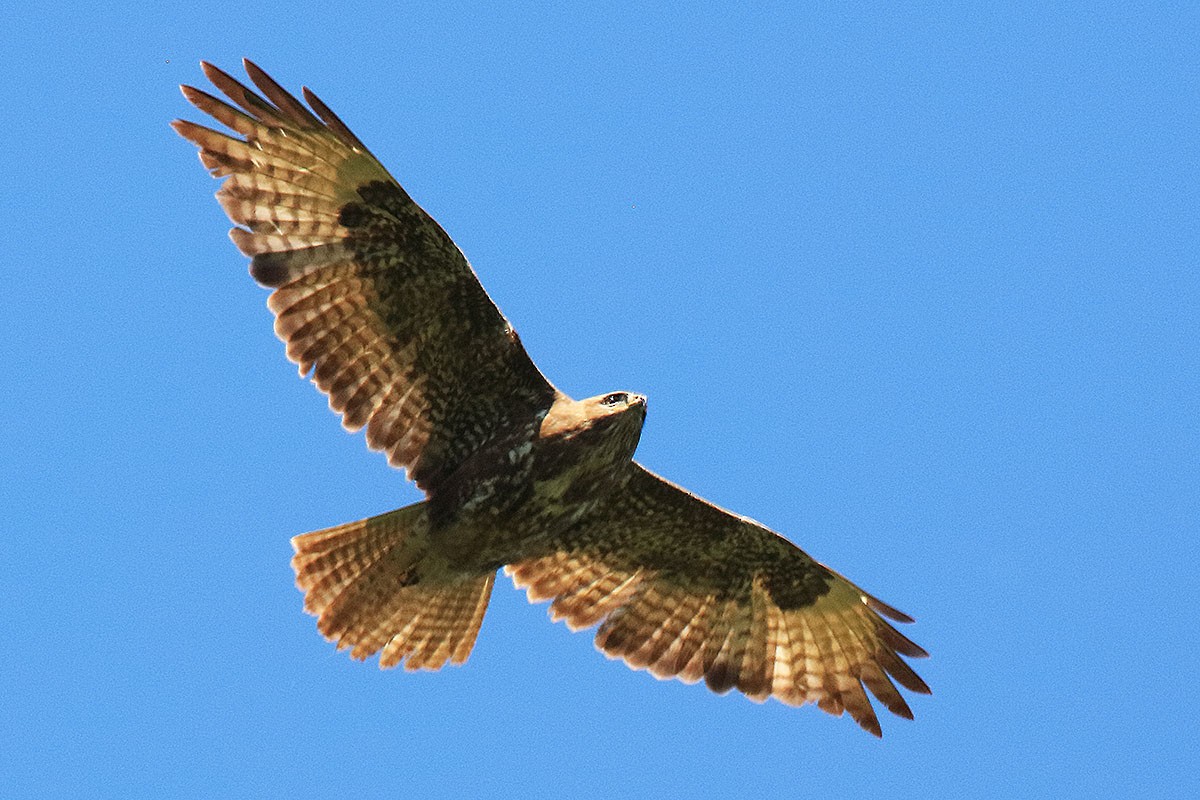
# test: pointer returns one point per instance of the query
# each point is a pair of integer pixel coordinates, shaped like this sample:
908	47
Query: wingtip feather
886	610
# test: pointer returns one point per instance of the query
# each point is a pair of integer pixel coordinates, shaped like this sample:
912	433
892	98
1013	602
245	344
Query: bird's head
616	410
612	421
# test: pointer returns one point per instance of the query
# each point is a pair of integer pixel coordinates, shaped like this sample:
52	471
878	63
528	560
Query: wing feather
371	296
688	590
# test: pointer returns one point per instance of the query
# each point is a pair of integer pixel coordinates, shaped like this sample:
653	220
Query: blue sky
916	288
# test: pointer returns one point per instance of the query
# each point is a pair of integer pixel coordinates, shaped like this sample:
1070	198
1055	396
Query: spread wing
689	590
371	295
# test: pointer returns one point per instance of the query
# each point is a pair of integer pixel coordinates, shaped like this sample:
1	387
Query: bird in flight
379	306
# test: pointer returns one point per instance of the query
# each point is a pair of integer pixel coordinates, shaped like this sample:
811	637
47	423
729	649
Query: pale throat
588	442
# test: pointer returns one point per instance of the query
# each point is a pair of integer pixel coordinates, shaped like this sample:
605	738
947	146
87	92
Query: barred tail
374	586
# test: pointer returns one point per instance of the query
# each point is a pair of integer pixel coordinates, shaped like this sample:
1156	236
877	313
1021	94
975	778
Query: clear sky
916	288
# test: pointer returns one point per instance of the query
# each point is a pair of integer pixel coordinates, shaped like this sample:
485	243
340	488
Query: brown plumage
375	301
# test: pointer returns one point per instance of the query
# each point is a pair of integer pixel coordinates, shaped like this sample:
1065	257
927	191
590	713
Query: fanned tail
374	586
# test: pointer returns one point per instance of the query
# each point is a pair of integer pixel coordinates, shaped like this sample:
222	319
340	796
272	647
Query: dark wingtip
191	131
331	119
890	612
255	72
720	678
210	69
192	94
899	642
269	270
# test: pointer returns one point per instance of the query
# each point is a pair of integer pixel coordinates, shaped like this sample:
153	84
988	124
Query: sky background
916	288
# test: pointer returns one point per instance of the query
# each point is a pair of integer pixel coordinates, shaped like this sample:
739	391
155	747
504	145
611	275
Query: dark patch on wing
796	585
480	381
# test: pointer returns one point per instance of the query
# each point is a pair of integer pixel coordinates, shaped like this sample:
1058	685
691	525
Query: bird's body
375	301
521	492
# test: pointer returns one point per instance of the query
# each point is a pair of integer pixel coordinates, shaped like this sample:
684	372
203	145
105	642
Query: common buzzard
376	302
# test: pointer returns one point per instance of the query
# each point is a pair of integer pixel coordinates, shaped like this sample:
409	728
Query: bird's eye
614	398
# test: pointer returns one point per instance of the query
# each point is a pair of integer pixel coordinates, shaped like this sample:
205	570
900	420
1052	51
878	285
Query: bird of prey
375	301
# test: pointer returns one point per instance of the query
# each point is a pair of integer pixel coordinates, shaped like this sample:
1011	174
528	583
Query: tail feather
328	561
443	628
375	585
